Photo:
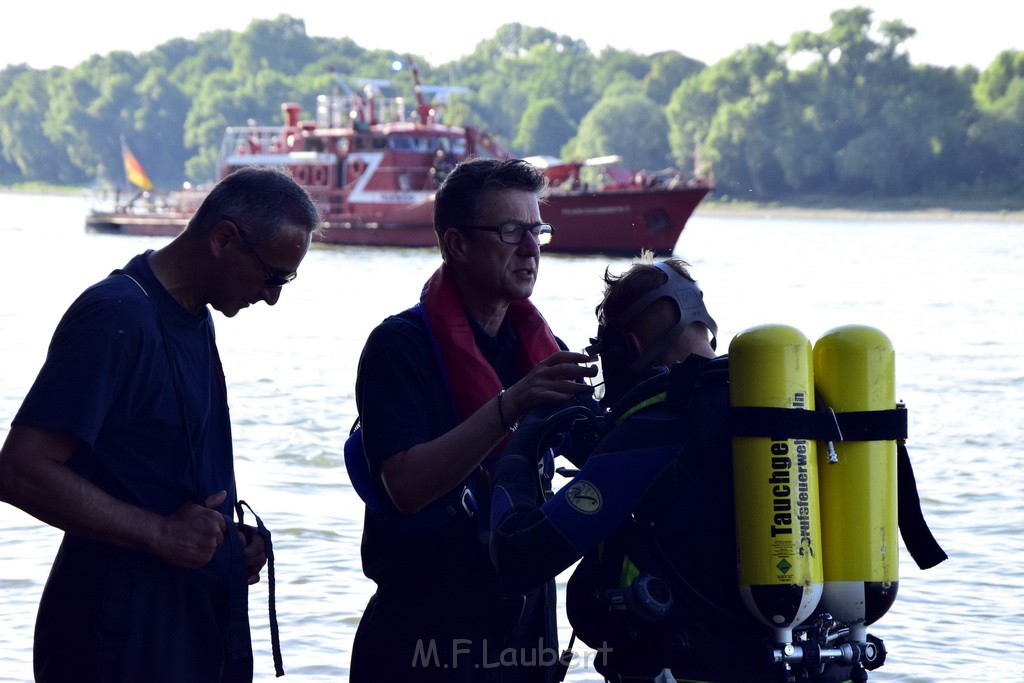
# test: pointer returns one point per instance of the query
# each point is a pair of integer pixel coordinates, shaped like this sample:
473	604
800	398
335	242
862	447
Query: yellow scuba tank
854	369
778	527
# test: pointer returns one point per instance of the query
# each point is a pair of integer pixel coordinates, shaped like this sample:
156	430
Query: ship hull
621	222
607	222
119	223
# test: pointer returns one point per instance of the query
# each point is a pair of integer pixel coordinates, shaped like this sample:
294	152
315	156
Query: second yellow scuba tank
854	371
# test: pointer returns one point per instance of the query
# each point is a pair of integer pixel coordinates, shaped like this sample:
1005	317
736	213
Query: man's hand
193	533
255	551
555	379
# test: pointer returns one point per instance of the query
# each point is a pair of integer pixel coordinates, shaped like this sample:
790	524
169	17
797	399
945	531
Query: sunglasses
273	279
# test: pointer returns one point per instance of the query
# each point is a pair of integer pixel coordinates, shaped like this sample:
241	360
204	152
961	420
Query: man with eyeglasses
439	389
124	443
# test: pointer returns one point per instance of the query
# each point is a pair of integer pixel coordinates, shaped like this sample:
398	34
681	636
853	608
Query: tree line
841	113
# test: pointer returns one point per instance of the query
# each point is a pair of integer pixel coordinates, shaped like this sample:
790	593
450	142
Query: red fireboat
373	168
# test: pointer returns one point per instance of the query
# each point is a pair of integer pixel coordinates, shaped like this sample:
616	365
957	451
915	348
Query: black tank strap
918	538
819	425
874	425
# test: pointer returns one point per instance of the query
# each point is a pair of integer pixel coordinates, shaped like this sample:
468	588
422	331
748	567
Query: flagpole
124	167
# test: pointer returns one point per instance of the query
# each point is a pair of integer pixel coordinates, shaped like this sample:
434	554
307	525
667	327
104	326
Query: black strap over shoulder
683	379
673	386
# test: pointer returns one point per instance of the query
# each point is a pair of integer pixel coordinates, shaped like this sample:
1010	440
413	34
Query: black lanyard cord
275	637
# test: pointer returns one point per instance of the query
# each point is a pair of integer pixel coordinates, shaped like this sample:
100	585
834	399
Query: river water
948	293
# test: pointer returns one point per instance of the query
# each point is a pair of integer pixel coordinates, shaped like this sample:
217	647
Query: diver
651	510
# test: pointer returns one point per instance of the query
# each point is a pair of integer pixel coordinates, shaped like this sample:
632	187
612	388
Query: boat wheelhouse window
402	143
425	144
314	144
379	143
459	147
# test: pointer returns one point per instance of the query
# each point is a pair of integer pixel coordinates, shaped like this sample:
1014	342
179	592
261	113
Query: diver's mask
690	303
614	347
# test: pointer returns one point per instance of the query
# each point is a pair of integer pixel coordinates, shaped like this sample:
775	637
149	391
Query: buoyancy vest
629	596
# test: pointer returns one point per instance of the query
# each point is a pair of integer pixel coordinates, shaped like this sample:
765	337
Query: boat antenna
422	108
425	110
344	86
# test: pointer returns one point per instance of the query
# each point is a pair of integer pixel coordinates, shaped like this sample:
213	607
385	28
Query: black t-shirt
437	591
136	378
404	399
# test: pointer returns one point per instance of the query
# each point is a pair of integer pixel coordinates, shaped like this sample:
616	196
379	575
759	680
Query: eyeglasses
273	279
513	232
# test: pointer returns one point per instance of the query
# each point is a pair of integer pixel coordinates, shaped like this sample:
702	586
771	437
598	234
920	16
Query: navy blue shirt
136	379
437	589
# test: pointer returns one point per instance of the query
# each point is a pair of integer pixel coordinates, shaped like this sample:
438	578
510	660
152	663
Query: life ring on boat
302	175
318	175
356	167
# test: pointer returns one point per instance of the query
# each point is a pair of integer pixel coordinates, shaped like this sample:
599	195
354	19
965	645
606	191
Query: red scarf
471	378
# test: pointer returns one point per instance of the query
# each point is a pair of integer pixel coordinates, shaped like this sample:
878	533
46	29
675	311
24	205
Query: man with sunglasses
124	443
439	389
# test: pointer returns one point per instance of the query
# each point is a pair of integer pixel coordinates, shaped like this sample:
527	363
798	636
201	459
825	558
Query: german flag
133	169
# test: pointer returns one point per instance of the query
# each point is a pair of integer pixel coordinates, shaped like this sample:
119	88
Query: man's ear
634	344
223	234
455	241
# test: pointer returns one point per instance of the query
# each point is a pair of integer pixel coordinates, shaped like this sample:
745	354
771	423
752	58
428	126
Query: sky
44	34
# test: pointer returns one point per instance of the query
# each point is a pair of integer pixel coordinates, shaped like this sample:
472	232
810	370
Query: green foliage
997	130
544	128
615	64
842	112
1000	88
607	130
703	109
155	133
667	71
90	107
279	45
25	149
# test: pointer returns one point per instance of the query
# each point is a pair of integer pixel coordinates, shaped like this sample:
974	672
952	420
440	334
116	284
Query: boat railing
252	140
330	201
189	199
